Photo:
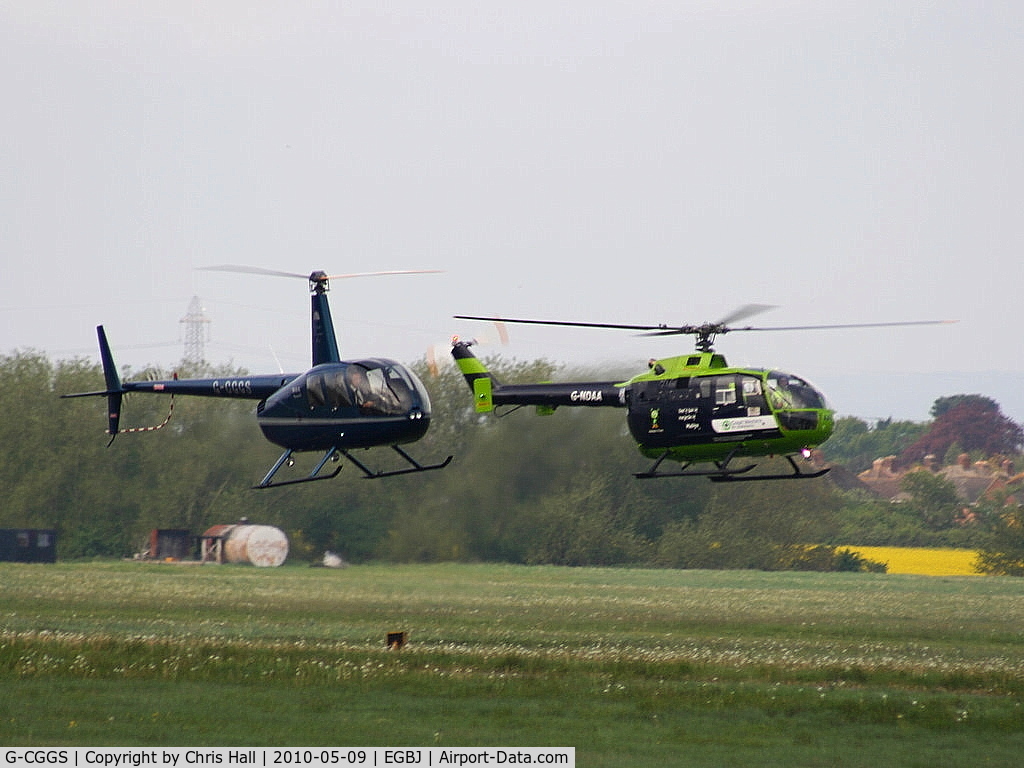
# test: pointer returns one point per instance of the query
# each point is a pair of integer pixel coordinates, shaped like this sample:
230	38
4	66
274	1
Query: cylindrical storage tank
261	545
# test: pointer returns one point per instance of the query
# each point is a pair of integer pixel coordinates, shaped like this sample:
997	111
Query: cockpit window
327	388
725	390
791	392
368	389
386	389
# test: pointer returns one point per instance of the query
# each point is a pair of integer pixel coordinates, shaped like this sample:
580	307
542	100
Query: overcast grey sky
649	161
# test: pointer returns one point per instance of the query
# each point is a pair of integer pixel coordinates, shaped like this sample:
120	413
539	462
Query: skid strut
286	458
335	455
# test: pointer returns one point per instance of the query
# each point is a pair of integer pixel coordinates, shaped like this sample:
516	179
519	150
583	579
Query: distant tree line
522	489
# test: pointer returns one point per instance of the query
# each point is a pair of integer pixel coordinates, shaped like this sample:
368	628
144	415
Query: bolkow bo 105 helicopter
334	407
693	409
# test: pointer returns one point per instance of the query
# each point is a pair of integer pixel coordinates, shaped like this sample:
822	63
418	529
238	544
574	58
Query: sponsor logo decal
654	419
743	424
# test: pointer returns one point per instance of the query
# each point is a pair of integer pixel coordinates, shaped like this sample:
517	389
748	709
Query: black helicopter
334	407
693	409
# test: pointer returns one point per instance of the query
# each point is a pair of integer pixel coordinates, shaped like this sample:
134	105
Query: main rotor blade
747	310
846	325
277	273
713	328
386	272
739	313
684	330
719	329
251	271
561	322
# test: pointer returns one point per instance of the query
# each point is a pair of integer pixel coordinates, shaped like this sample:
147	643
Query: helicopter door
670	411
728	403
397	388
735	395
368	390
740	407
327	388
385	391
753	395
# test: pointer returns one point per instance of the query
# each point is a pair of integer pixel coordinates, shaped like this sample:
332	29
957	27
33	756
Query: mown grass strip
630	666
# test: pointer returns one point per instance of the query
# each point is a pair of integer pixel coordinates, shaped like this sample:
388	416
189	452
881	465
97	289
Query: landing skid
723	473
335	454
796	474
415	466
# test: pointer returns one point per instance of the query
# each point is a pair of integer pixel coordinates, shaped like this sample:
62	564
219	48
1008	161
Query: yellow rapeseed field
922	561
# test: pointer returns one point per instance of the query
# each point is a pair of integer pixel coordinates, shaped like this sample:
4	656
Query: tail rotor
497	336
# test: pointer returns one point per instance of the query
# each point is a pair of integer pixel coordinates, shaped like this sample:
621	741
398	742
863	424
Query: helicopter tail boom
236	387
489	392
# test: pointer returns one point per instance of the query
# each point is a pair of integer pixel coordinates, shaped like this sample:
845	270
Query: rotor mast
706	336
325	340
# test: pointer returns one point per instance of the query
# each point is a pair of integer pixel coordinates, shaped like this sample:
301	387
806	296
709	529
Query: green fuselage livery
691	409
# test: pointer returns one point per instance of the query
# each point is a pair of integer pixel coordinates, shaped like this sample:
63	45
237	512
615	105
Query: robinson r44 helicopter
694	409
334	407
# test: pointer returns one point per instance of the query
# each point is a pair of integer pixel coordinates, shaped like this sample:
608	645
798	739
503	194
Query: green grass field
631	667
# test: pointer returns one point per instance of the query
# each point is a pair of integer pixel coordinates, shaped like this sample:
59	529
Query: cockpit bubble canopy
376	386
790	392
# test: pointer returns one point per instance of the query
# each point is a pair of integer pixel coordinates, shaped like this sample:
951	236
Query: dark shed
170	543
28	545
